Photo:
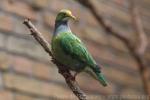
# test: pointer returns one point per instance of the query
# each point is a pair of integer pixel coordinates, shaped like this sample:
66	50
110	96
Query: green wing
75	48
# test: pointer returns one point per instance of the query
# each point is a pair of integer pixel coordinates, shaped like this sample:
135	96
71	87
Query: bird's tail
96	73
101	79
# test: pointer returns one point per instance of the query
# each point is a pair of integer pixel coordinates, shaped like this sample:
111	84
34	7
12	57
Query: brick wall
25	70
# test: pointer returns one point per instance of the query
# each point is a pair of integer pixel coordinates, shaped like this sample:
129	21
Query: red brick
129	91
131	94
6	95
21	64
91	33
106	55
42	71
83	79
29	67
4	61
30	85
6	23
57	5
147	56
21	83
47	72
39	3
111	11
27	97
2	40
46	34
19	8
96	97
49	19
26	47
122	77
117	44
88	18
23	97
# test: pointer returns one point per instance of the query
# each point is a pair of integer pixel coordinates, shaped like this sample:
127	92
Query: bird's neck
61	27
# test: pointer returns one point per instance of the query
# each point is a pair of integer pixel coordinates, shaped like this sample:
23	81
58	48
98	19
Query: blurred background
26	72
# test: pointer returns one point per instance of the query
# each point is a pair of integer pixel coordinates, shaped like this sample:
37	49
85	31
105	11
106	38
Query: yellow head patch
64	14
68	12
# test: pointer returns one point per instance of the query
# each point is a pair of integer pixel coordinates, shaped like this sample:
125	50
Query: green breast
62	56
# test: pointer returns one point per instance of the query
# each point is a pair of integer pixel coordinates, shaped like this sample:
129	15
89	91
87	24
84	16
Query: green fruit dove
69	50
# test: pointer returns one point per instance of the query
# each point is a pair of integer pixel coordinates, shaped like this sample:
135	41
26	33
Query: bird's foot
74	75
67	74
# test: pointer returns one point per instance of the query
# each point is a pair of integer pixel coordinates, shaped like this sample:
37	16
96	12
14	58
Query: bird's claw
67	75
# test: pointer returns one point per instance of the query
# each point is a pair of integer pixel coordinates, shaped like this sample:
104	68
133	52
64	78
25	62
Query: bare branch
70	80
142	44
108	28
137	24
38	36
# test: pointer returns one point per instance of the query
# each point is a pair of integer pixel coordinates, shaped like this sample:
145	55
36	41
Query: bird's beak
73	17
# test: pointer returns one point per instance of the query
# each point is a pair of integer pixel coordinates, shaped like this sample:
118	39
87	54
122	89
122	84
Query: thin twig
142	44
100	20
143	69
38	36
138	27
71	82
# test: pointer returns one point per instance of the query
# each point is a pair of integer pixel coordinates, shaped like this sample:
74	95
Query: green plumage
71	52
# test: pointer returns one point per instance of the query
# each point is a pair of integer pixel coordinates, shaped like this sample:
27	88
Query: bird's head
65	15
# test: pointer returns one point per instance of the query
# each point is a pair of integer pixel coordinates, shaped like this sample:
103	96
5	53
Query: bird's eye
64	14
